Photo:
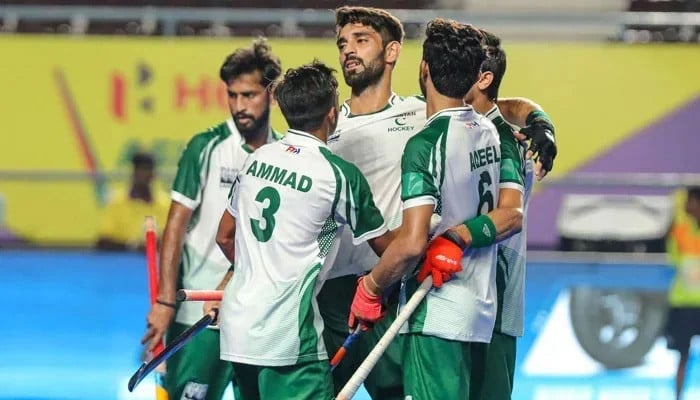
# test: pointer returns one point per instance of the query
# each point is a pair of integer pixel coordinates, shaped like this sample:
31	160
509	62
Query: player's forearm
397	260
226	235
228	247
171	251
506	222
381	243
516	109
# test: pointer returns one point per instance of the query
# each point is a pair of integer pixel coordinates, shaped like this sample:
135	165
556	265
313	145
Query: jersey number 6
263	229
485	195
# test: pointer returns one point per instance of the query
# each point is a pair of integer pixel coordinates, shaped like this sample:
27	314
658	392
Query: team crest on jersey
400	123
472	124
227	176
194	391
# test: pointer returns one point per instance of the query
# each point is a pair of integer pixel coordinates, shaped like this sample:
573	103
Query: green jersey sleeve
354	204
422	165
192	168
232	204
512	168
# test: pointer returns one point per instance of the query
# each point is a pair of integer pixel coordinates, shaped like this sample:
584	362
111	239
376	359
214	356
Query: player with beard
374	126
447	169
189	257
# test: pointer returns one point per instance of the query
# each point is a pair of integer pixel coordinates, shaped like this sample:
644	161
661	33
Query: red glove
442	259
366	308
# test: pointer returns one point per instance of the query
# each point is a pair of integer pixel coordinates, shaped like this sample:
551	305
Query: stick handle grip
199	295
364	369
340	354
152	266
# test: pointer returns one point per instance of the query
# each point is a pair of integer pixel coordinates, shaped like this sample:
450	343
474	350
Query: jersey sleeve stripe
184	200
441	153
420	201
511	185
338	184
349	200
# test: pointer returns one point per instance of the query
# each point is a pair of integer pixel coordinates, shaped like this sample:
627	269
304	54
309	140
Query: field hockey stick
152	267
216	295
172	348
199	295
364	369
340	354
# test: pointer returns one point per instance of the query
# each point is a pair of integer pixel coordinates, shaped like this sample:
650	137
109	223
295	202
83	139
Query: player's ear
391	52
484	81
332	115
271	95
424	71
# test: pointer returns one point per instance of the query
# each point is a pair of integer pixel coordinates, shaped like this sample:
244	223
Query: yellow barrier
85	104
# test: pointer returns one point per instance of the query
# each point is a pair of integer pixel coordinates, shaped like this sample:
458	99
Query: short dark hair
306	94
387	25
142	159
454	55
693	191
495	62
258	57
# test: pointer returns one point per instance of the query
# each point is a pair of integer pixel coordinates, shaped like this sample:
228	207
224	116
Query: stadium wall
83	105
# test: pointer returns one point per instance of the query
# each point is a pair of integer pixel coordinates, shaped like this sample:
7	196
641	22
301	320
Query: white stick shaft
364	369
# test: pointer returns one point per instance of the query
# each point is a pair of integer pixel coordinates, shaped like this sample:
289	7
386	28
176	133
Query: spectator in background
122	226
684	296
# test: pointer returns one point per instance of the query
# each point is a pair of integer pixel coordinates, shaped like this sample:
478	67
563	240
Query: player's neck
258	138
482	104
370	99
321	133
436	102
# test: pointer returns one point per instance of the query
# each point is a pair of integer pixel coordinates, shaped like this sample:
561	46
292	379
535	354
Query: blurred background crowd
99	98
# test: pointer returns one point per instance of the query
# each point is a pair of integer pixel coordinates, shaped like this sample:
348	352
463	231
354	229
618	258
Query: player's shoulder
339	164
396	105
407	104
415	99
427	136
277	135
483	123
212	135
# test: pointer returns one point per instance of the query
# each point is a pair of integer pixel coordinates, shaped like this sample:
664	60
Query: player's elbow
413	248
224	241
517	220
512	223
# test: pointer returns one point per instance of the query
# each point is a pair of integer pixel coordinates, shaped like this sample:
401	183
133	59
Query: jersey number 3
485	194
270	199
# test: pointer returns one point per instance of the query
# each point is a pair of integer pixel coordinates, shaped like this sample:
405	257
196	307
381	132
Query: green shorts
436	368
196	372
385	382
306	381
497	376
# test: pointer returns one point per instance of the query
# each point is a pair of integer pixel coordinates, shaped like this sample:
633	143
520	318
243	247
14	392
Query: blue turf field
73	321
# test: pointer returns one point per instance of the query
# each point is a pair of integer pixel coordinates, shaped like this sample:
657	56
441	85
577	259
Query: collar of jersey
294	136
389	104
452	110
271	136
493	113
